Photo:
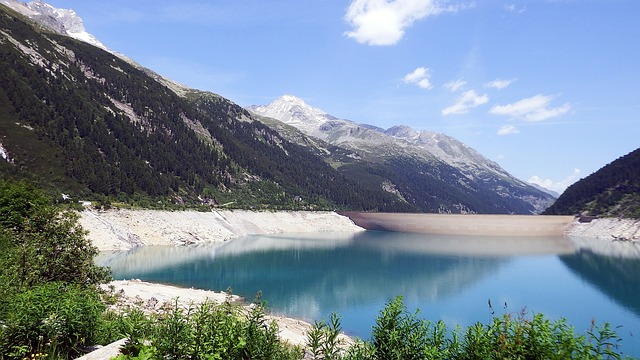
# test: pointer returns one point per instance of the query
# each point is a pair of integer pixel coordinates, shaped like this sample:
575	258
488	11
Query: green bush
402	335
208	331
227	331
49	303
399	334
55	319
323	341
19	202
42	243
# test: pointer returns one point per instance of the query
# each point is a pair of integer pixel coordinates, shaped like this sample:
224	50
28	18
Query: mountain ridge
378	145
94	123
62	21
85	122
613	191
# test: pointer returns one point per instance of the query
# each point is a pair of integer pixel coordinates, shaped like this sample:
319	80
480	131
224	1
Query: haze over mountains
91	123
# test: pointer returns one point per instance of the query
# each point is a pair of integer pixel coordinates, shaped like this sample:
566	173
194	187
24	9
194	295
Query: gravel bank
607	236
126	229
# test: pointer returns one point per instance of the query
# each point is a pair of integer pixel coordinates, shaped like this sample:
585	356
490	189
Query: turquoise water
445	277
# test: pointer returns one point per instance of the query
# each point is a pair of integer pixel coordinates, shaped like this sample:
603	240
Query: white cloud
514	9
531	109
424	84
468	100
383	22
508	130
455	85
420	77
416	75
499	83
559	186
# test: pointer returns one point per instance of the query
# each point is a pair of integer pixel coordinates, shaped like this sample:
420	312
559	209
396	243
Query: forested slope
96	126
85	122
614	190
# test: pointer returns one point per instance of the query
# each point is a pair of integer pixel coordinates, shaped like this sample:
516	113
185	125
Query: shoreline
122	230
151	297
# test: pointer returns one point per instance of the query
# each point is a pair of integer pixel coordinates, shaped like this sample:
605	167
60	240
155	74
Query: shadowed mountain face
432	171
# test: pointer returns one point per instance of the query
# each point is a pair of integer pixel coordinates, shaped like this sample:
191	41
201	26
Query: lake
450	278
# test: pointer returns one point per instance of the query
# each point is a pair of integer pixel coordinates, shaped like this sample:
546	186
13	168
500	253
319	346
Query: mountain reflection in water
618	278
447	277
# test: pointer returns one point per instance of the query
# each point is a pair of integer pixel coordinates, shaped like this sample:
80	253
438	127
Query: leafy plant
209	331
49	303
401	335
56	319
323	339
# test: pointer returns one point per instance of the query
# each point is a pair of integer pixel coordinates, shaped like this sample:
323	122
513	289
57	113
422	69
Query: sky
549	89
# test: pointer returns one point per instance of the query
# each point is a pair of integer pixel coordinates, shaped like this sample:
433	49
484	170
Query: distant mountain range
91	123
433	171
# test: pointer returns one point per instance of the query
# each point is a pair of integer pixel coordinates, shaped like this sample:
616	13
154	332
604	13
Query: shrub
55	319
401	335
322	340
209	331
42	243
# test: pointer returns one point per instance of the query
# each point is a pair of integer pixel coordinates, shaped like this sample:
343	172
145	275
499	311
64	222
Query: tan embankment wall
457	224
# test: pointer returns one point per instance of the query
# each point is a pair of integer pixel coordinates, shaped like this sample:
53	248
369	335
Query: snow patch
5	154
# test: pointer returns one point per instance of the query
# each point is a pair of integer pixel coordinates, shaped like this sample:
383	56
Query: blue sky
550	89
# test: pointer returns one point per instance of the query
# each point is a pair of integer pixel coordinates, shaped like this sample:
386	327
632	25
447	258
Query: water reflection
617	277
447	277
490	246
308	275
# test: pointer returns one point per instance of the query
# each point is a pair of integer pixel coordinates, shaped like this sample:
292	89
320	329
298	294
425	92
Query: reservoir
446	277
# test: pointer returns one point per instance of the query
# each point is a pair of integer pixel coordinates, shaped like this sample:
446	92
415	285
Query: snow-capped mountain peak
63	21
294	111
459	162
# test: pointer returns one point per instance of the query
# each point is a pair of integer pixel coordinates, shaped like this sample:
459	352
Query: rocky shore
607	236
125	229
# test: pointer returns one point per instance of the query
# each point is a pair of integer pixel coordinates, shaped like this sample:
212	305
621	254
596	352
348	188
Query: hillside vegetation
614	190
84	122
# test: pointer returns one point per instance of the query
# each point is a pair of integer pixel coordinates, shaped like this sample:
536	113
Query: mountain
92	124
62	21
430	170
555	194
614	190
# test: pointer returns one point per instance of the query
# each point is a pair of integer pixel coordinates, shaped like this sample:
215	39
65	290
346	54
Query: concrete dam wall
463	224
